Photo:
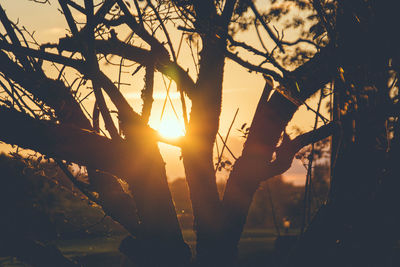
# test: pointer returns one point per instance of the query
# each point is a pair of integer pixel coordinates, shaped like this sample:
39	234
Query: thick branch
286	152
204	10
53	93
144	57
68	16
65	142
20	50
76	6
126	114
312	75
105	113
228	11
147	92
269	122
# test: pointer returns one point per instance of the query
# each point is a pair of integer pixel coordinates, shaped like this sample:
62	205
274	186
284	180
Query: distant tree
181	196
35	211
275	200
34	206
21	201
348	47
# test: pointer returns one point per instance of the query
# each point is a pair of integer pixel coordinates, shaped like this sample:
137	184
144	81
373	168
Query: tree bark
358	226
198	154
270	120
160	230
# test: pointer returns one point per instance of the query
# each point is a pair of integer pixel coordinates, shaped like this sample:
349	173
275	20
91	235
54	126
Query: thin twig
226	139
265	25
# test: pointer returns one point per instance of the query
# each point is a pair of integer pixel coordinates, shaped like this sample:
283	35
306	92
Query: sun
171	128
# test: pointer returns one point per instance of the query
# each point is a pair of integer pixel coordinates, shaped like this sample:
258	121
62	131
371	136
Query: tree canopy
346	50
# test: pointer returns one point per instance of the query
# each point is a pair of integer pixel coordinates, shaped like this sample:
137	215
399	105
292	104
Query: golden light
171	128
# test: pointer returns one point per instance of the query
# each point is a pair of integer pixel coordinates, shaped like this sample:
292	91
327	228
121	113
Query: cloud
156	95
54	31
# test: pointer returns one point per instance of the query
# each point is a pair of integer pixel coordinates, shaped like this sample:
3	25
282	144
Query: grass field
255	248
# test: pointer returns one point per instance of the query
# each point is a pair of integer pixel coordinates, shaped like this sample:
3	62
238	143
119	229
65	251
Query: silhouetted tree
350	44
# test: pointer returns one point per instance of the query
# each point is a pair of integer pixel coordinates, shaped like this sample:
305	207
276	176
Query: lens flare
171	128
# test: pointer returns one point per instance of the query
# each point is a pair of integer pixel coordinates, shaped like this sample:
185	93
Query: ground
256	249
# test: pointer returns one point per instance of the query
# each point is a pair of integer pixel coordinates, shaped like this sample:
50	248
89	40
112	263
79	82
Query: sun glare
170	128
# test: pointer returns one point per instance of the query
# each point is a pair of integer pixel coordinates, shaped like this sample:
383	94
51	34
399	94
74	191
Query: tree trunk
269	121
160	241
198	154
357	226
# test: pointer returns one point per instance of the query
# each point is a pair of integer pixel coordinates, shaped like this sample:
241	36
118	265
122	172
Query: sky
241	89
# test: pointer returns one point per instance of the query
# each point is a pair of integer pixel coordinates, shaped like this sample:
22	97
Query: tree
349	44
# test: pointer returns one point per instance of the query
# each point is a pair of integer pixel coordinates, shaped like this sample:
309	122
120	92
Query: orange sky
241	88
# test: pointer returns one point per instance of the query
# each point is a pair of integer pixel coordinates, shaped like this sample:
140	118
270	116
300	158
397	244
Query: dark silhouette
345	49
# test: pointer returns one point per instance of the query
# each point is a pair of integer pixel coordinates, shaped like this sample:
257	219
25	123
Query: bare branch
266	27
14	39
156	46
252	67
164	29
268	56
300	40
139	13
